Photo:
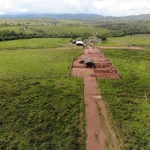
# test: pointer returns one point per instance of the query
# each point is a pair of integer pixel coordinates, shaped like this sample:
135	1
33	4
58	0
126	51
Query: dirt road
126	47
100	135
98	128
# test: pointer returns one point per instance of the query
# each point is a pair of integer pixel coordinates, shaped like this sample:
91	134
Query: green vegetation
110	43
41	113
123	26
34	43
136	40
41	106
64	30
37	62
11	29
128	99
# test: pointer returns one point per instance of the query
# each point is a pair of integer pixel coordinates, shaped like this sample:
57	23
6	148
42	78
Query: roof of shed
79	42
88	60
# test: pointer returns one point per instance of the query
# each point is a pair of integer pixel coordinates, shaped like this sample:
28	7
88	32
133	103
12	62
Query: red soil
103	67
98	127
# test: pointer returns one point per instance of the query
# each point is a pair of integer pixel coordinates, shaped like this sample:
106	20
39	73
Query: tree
104	39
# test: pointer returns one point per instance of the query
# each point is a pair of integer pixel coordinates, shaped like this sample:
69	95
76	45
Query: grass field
137	40
41	107
59	29
128	99
41	113
46	27
17	29
110	43
34	43
37	62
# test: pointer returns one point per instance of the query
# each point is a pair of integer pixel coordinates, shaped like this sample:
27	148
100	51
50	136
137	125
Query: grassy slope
40	113
126	100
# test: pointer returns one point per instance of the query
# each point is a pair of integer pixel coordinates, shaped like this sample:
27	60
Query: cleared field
37	62
136	40
34	43
128	99
41	113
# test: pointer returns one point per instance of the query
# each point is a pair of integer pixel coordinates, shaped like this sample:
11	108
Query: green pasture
41	113
110	43
66	29
37	61
47	26
41	105
34	43
128	99
135	40
27	21
17	29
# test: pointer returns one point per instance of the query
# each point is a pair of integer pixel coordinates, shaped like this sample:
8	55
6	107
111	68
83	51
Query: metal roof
79	43
88	60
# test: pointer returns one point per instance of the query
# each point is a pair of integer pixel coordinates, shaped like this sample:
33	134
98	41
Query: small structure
87	61
79	43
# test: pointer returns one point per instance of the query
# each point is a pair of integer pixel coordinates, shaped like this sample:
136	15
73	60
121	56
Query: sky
101	7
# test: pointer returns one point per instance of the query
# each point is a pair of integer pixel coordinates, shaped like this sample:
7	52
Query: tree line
38	33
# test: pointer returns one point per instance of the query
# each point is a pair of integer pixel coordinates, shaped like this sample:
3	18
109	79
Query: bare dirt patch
102	68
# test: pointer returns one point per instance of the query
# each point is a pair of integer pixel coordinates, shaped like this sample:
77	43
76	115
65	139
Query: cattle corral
99	67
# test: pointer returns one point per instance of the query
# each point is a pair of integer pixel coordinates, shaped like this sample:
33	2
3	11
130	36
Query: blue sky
102	7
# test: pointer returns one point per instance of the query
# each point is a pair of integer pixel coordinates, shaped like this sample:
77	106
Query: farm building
79	43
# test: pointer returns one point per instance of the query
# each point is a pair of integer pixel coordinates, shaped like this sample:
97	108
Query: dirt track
98	128
126	47
100	136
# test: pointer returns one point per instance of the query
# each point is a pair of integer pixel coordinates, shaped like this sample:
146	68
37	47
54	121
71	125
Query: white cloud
103	7
123	7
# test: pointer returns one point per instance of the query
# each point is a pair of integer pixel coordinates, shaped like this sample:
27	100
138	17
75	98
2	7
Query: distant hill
72	16
138	16
54	16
